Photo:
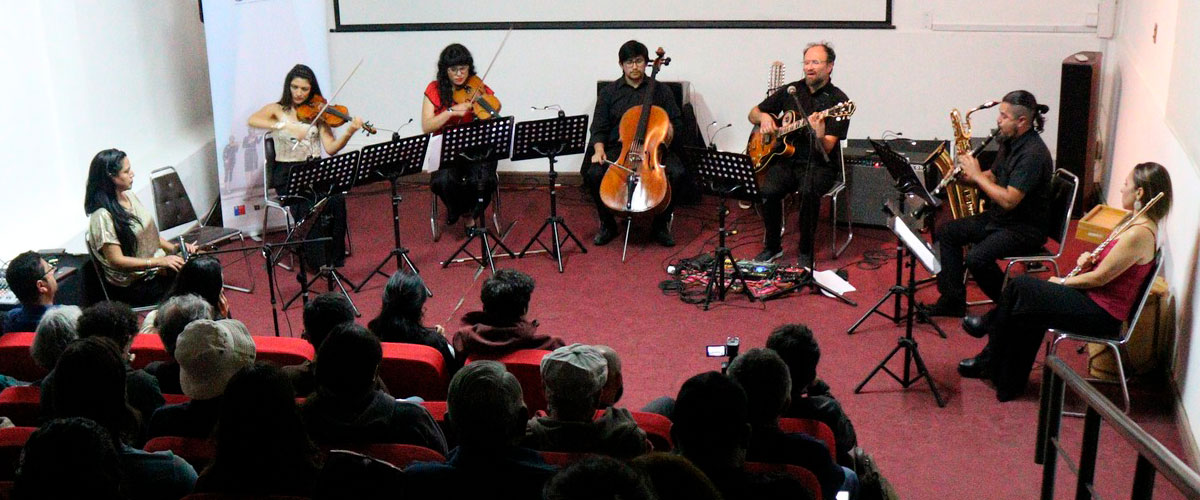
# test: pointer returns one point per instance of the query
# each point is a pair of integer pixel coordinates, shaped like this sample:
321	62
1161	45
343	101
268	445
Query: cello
637	181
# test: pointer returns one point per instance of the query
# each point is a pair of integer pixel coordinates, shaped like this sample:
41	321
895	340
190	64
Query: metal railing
1153	457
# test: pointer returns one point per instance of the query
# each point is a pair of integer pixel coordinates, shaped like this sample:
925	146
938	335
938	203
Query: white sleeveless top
304	149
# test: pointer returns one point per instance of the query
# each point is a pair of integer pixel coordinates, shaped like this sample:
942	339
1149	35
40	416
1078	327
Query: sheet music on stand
538	138
480	140
321	178
914	243
901	170
398	157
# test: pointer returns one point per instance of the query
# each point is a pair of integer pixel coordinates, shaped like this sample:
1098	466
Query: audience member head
68	458
31	279
1145	182
614	384
710	424
111	320
485	405
260	438
794	342
673	477
323	313
176	314
109	175
57	329
348	362
573	376
200	276
598	478
506	294
403	305
209	353
89	381
764	377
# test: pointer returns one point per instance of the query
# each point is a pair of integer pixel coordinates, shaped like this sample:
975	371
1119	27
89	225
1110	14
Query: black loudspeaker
1078	105
869	183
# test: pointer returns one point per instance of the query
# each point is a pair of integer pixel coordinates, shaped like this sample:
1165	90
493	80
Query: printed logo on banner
239	210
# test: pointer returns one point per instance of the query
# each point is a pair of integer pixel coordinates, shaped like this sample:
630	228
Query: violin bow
497	54
329	101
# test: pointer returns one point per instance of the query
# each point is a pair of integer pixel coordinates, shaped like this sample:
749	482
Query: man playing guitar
811	170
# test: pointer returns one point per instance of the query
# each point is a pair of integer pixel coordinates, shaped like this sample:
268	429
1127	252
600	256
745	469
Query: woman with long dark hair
400	319
1096	301
262	445
123	236
464	186
200	276
297	142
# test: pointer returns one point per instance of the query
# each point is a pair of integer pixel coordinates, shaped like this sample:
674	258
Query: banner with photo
252	44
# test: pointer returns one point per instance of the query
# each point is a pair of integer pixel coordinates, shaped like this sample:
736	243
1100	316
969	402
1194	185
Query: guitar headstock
841	110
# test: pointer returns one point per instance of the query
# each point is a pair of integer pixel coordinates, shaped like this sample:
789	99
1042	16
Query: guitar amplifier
869	183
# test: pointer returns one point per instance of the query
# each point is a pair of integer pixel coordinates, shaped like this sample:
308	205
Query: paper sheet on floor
832	281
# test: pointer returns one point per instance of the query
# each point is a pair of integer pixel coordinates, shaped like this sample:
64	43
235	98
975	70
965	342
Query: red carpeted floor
975	447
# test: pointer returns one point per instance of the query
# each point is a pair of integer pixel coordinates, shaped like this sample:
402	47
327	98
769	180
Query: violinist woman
1095	301
138	265
463	186
295	143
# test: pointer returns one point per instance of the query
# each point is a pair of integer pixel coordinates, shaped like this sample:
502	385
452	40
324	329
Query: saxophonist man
1015	221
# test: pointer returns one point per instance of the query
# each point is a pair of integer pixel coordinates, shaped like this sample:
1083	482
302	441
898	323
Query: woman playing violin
296	142
463	186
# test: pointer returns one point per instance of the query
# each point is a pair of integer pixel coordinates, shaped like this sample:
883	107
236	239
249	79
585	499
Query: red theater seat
413	370
437	409
399	455
657	428
174	399
15	360
806	477
562	460
147	348
22	404
12	440
283	351
197	451
526	365
814	428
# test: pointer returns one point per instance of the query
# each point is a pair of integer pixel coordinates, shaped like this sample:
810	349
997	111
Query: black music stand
908	184
393	160
318	180
479	141
728	175
916	248
565	135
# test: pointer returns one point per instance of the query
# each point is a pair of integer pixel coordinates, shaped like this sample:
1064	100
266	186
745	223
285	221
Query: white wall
905	80
1137	96
84	76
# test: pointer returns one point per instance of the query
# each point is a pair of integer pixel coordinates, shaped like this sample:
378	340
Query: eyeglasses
813	62
634	62
49	272
459	69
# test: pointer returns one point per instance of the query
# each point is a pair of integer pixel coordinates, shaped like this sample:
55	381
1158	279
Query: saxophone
964	200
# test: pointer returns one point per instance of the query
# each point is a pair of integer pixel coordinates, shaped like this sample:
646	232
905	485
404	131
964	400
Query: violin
637	182
335	115
484	105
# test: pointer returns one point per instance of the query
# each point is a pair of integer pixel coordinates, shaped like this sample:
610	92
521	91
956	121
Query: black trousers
783	179
465	187
143	292
593	175
1026	309
989	242
332	222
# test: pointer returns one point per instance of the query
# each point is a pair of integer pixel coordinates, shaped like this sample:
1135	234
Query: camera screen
715	351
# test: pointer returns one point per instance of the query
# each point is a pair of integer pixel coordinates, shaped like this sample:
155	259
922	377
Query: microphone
712	139
561	113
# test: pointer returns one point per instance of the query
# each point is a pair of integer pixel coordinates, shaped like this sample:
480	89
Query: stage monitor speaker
1078	113
869	183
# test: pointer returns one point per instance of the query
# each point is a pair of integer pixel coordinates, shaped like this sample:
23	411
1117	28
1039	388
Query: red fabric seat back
813	428
174	399
562	459
526	365
147	348
15	360
805	476
656	427
283	351
22	404
437	409
197	451
399	455
12	441
413	370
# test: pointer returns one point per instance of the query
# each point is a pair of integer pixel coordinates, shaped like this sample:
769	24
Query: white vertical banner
252	44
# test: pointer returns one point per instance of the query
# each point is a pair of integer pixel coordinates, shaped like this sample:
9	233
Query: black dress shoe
945	308
606	234
664	238
1005	394
974	326
975	368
